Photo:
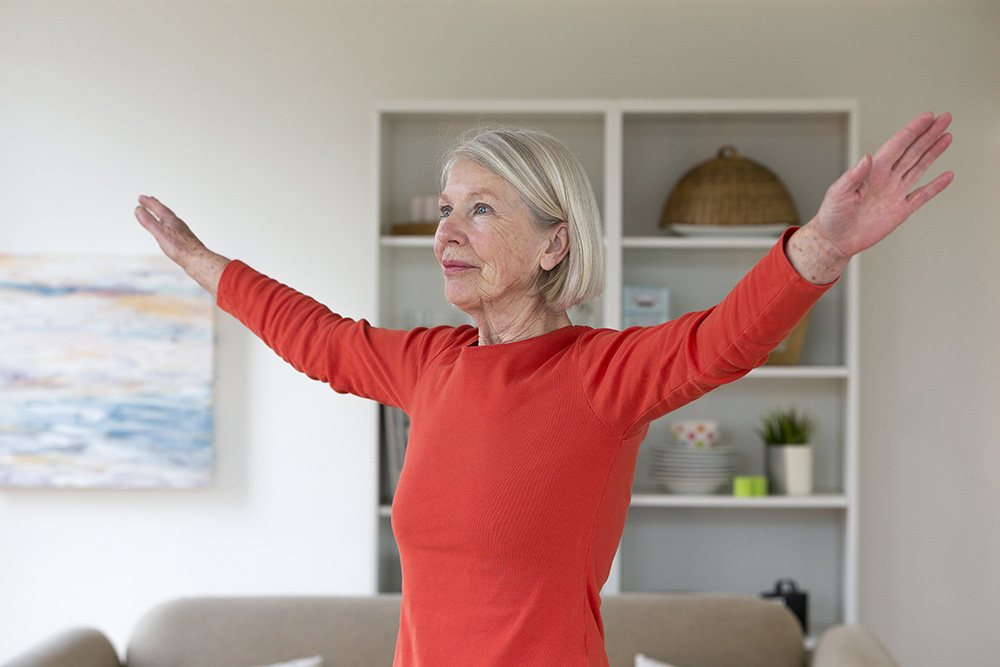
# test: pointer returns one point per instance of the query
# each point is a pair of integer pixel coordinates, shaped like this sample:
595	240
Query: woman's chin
461	299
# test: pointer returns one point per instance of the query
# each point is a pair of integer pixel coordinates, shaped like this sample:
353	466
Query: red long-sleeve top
520	460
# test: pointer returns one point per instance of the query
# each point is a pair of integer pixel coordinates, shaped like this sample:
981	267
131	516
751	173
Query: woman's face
488	247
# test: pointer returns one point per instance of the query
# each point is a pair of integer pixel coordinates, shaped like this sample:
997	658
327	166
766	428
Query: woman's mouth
452	266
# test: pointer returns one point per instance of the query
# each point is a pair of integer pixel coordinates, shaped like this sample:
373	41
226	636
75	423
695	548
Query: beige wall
252	119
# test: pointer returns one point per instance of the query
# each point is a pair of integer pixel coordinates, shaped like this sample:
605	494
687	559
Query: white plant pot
789	469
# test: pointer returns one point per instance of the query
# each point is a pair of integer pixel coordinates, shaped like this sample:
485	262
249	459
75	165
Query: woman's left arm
871	199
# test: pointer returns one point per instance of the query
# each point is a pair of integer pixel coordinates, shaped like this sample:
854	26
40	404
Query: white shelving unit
634	152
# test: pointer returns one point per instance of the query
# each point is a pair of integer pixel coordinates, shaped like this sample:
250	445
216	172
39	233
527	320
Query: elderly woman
525	428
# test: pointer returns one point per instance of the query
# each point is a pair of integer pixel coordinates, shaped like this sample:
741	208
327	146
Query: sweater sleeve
350	355
638	375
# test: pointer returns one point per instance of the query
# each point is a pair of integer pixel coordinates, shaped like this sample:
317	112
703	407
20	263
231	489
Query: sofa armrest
83	647
850	646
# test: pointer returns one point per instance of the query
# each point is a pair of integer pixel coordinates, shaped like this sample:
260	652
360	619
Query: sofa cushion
694	630
70	648
238	632
701	630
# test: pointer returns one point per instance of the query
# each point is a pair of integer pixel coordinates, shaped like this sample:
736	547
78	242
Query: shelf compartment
412	290
738	407
412	142
700	276
806	149
741	550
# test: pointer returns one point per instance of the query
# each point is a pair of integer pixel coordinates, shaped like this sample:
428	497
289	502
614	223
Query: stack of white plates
684	470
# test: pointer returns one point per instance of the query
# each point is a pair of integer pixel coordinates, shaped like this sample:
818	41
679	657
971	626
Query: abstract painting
106	367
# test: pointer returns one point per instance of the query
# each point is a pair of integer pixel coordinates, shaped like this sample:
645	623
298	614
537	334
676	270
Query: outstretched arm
871	199
180	244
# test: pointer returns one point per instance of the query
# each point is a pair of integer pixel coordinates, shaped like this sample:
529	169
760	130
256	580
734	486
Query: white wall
252	118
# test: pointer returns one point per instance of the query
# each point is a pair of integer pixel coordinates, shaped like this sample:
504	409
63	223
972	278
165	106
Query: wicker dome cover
729	190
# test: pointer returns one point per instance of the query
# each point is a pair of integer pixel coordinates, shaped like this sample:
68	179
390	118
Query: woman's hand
871	199
179	243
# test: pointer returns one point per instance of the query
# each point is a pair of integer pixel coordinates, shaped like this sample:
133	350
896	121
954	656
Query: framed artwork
106	368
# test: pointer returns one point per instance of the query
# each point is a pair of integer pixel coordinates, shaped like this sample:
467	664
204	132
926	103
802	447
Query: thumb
856	175
844	191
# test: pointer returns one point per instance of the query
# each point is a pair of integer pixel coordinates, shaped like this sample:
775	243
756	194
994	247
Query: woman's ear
558	247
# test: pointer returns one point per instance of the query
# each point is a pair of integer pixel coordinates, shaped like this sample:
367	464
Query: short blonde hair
556	189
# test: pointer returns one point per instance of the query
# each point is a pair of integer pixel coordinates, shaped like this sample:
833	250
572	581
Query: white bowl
693	487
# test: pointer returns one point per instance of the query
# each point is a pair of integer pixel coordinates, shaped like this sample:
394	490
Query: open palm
877	195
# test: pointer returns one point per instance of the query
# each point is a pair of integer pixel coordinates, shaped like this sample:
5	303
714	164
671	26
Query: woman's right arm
349	355
180	244
285	320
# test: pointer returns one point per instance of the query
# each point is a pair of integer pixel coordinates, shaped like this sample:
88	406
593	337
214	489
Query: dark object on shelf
414	228
729	190
786	592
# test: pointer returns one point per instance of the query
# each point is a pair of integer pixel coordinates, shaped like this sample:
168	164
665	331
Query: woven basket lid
729	190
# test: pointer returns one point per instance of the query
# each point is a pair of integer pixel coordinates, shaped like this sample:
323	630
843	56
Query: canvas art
106	367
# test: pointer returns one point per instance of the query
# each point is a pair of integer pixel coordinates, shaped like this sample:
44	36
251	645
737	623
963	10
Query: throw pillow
315	661
643	661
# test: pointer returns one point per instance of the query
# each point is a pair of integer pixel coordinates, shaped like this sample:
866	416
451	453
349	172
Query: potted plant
787	434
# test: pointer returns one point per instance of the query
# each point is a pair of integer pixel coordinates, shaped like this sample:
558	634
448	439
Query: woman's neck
509	327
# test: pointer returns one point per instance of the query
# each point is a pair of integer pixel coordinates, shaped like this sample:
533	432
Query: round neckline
556	334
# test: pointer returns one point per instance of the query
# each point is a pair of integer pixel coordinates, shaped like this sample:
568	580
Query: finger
928	157
145	218
921	144
156	207
891	151
922	195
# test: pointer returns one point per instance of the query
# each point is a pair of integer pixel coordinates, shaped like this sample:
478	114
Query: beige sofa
685	630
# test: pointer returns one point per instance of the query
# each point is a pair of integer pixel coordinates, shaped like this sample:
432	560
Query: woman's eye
482	209
445	211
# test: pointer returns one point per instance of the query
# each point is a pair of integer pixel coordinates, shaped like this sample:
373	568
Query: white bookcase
634	152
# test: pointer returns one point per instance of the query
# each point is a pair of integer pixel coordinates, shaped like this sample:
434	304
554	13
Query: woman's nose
450	230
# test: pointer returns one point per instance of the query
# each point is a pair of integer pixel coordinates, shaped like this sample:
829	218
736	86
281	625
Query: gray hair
555	187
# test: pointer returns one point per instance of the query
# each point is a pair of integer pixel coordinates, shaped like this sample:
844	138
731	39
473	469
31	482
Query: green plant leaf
787	427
